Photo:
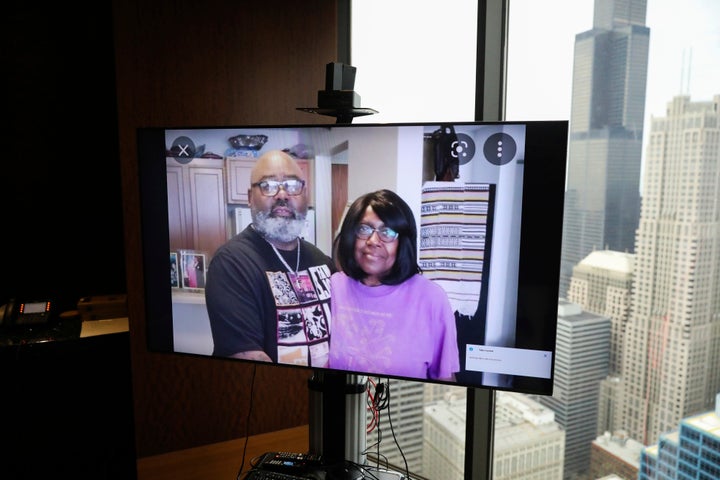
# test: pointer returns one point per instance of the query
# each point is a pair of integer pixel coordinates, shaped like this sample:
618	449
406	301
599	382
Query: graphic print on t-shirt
302	284
317	327
303	315
321	279
290	326
282	290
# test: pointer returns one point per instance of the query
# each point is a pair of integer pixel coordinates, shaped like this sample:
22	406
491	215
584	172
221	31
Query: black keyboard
258	474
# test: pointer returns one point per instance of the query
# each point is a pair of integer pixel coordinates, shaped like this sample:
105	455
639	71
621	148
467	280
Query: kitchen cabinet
197	212
238	178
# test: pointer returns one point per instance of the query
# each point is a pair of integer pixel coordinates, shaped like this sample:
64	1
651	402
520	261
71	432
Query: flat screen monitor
487	199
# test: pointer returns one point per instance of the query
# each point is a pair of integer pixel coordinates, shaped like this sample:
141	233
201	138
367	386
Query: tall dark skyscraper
602	203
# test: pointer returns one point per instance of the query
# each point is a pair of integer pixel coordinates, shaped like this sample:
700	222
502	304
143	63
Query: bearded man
268	290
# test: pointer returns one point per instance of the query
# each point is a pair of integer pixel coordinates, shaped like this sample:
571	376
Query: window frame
490	86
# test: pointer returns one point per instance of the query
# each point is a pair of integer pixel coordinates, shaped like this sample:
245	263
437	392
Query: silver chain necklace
293	273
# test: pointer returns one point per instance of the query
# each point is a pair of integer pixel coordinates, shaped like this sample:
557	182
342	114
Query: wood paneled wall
213	63
60	200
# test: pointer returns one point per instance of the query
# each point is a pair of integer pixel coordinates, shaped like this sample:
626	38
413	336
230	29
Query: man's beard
280	229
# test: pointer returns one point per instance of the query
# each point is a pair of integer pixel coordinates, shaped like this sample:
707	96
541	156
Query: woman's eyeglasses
270	188
386	234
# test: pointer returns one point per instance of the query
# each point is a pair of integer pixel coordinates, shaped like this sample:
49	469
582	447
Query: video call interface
478	228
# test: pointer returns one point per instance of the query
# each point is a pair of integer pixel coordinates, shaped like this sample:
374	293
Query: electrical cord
374	403
378	399
381	403
392	430
247	424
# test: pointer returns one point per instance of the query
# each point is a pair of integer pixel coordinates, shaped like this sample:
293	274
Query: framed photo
193	269
174	270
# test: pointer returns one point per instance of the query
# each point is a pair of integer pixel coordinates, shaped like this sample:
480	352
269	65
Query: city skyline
675	36
683	53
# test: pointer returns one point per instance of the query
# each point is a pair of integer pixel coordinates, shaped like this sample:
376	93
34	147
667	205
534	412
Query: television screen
486	198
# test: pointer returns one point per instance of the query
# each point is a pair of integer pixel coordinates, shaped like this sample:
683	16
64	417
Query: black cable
380	403
371	407
247	421
392	430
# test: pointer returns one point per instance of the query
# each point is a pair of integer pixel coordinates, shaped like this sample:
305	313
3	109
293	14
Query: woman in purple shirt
386	317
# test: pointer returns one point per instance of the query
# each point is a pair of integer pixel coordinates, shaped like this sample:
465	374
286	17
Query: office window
653	64
415	59
597	64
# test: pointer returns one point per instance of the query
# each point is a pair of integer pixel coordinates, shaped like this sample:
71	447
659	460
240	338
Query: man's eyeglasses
386	234
270	188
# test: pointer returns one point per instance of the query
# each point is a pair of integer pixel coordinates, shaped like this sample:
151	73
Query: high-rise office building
444	438
601	284
608	395
528	443
602	201
581	362
692	451
672	340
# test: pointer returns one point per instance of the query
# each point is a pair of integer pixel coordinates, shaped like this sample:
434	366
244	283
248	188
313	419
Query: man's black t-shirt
255	303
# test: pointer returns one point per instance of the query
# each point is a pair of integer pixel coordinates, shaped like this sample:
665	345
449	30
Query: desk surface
91	328
220	461
58	330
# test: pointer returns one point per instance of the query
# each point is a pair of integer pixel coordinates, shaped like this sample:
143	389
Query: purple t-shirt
405	330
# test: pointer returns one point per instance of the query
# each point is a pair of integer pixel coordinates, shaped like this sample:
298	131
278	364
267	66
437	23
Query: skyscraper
671	358
582	352
528	443
692	451
601	284
602	202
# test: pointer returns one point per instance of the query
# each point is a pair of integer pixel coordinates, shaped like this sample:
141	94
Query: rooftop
610	260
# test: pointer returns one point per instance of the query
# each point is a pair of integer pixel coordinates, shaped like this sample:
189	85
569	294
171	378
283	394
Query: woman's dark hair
394	213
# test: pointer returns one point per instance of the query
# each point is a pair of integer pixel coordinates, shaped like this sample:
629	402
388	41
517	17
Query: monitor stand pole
338	417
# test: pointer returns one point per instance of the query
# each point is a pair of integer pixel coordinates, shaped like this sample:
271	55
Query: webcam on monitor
339	85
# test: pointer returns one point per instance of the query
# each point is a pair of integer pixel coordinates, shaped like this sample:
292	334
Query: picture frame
174	270
193	268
